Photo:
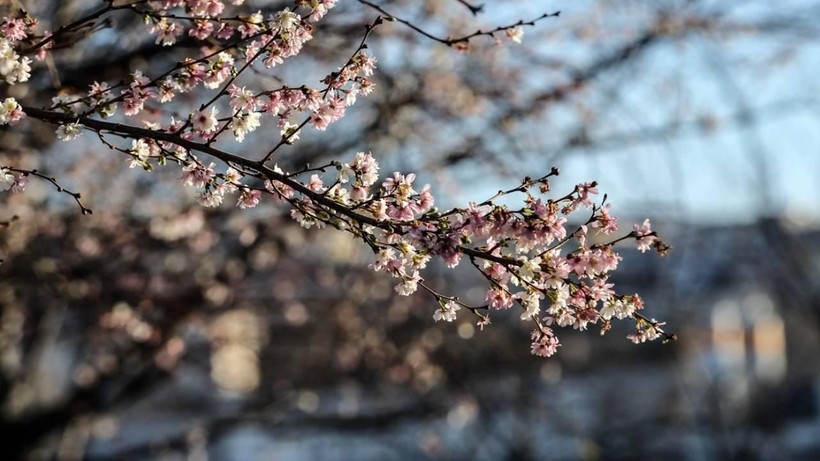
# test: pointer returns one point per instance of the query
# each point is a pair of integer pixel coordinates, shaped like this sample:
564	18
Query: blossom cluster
202	19
13	67
215	186
530	257
270	41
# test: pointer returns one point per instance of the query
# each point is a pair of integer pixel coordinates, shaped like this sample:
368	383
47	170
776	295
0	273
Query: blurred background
157	329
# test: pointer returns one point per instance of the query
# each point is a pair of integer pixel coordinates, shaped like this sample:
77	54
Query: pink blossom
644	237
366	168
447	311
320	9
584	317
401	212
585	190
385	259
496	270
558	270
167	32
281	192
475	220
364	64
219	69
359	194
204	121
242	99
225	31
498	298
196	175
10	112
451	256
251	25
425	200
555	227
409	284
285	20
132	104
305	220
544	344
400	187
20	184
605	221
329	112
211	198
579	262
515	34
249	198
602	261
565	318
13	29
206	7
379	210
201	30
316	184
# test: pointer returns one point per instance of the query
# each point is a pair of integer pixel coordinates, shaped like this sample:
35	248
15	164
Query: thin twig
75	195
460	40
474	9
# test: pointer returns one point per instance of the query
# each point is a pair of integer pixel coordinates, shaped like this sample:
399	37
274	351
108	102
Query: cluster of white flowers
10	112
69	131
13	68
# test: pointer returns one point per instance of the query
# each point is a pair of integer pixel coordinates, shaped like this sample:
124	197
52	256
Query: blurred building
229	341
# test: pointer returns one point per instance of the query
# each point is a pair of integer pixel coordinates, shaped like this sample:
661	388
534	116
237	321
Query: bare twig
75	195
459	40
474	9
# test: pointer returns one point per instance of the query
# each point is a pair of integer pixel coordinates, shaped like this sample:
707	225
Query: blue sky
758	90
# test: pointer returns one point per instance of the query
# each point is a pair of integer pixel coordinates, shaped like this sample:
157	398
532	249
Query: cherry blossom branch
533	275
288	136
99	93
227	157
524	253
235	75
